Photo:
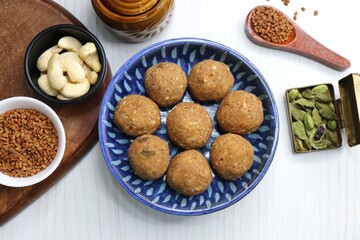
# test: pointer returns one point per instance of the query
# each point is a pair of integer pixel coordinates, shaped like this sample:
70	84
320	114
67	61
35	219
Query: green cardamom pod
308	122
319	89
307	93
332	137
324	98
316	117
308	110
299	130
306	144
299	145
296	113
310	133
322	144
305	103
332	125
293	94
321	105
328	114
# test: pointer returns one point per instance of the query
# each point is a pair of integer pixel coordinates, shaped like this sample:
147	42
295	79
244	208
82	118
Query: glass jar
134	20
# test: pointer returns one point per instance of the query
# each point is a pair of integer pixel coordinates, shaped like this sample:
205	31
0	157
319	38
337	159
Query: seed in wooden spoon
271	24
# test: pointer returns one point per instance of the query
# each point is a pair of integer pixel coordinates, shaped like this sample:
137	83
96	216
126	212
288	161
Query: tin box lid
348	106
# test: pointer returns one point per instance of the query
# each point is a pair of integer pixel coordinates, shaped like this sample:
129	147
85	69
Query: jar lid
348	106
129	7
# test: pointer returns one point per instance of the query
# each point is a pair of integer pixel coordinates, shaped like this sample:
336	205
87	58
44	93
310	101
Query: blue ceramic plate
157	194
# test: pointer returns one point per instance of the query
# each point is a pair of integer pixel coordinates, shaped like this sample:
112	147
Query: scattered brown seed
295	15
316	12
28	142
303	9
286	2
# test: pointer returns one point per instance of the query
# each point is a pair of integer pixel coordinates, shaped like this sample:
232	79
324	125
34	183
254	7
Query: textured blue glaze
129	80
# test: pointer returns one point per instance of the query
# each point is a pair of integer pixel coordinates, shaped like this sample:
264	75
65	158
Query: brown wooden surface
20	21
300	43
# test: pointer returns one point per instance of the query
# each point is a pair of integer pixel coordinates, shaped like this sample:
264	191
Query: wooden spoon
300	43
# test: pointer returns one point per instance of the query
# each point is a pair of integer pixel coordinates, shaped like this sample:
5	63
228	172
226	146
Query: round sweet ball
210	80
240	112
149	157
189	173
165	83
189	125
137	115
231	156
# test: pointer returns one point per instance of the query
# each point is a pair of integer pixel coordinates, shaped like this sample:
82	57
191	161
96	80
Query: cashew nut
43	83
74	90
73	69
62	97
70	43
43	60
88	53
70	74
55	73
92	77
71	55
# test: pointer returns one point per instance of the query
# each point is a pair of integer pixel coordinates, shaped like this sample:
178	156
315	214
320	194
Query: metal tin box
316	118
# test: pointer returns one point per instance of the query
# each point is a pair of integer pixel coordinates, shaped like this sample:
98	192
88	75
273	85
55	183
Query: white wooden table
302	196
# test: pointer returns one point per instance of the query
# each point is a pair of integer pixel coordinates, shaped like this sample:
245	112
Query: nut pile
28	142
68	69
313	118
271	25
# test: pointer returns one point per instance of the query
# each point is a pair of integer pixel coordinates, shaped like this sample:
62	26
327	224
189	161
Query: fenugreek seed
269	23
21	144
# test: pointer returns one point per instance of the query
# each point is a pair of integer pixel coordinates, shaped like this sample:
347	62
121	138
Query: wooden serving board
20	21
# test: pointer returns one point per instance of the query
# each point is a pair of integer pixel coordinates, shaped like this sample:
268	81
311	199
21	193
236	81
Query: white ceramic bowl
31	103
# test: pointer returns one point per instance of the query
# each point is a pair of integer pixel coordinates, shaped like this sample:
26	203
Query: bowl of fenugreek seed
32	141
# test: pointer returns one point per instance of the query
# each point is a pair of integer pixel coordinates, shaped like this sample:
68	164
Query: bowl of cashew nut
65	64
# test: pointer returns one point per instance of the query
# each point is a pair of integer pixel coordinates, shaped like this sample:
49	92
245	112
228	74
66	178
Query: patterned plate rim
177	42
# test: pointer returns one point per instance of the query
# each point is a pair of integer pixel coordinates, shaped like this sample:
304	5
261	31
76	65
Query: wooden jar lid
129	7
